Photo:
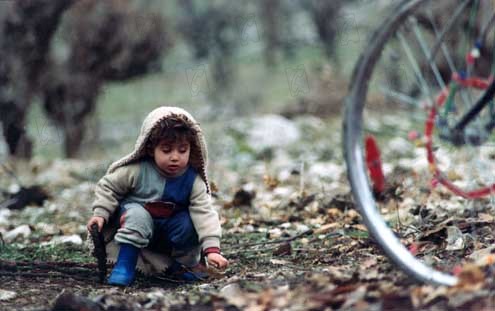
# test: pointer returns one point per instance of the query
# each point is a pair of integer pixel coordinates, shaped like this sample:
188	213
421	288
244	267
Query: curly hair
173	130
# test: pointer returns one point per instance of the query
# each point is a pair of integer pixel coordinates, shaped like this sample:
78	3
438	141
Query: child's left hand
217	260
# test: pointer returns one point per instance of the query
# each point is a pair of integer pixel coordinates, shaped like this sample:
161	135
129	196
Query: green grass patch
62	252
357	234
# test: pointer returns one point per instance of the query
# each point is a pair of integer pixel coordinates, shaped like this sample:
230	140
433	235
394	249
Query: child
159	195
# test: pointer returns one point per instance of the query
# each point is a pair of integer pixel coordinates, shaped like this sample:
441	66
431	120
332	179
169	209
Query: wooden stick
307	232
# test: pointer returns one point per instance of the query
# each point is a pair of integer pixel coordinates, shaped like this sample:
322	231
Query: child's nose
174	155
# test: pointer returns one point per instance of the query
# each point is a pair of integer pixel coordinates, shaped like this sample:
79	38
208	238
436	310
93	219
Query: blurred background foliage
76	74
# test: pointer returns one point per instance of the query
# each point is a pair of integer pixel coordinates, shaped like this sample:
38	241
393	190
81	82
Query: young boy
157	201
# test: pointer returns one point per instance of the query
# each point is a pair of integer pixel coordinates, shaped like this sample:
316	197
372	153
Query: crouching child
154	207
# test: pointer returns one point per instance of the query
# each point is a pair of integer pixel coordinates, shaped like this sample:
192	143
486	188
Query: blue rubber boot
188	274
124	272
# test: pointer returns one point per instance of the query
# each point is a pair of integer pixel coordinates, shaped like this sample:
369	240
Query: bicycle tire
354	156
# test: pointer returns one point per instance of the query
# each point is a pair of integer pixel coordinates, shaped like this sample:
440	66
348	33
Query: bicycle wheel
405	129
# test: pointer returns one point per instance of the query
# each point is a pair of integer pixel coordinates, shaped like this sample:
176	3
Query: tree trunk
26	30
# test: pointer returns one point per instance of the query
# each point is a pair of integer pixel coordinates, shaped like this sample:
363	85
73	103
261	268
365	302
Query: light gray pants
175	234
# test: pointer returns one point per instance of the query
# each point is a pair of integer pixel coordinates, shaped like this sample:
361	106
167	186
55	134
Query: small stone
232	293
400	146
49	229
301	227
280	262
282	191
260	135
286	225
205	286
284	175
249	228
455	239
7	295
274	233
65	239
14	188
21	231
326	170
4	217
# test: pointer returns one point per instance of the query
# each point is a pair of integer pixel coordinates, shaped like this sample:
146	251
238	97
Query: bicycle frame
458	130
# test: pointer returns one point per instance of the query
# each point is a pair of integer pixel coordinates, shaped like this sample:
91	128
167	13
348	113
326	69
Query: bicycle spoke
415	67
399	96
442	45
424	48
448	26
486	29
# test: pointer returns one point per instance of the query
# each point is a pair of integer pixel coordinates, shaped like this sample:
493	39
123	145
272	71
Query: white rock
275	233
233	294
283	191
387	168
21	231
4	216
249	187
248	228
52	207
455	239
14	188
270	131
400	146
418	163
373	124
326	170
301	228
284	175
286	225
65	239
7	295
49	229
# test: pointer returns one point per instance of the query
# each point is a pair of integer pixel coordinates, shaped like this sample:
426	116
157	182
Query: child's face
172	157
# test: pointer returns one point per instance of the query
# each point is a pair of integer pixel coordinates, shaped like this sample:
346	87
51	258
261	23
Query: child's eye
183	148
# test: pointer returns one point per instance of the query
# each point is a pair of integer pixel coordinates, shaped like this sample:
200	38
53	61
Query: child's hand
217	260
100	221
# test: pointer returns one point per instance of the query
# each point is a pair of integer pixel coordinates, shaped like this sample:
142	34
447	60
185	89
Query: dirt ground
290	231
271	268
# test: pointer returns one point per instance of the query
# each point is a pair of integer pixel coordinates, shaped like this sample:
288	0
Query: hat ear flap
195	154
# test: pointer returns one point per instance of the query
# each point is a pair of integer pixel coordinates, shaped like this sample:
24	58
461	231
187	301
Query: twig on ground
244	252
297	236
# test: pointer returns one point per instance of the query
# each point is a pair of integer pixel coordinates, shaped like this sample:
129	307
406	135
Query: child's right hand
100	221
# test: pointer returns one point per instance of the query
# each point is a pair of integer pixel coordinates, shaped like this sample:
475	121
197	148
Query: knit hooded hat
199	160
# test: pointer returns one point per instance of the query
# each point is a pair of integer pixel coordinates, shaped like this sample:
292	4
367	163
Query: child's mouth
173	168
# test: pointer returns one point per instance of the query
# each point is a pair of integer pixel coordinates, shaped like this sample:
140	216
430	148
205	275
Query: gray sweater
143	182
